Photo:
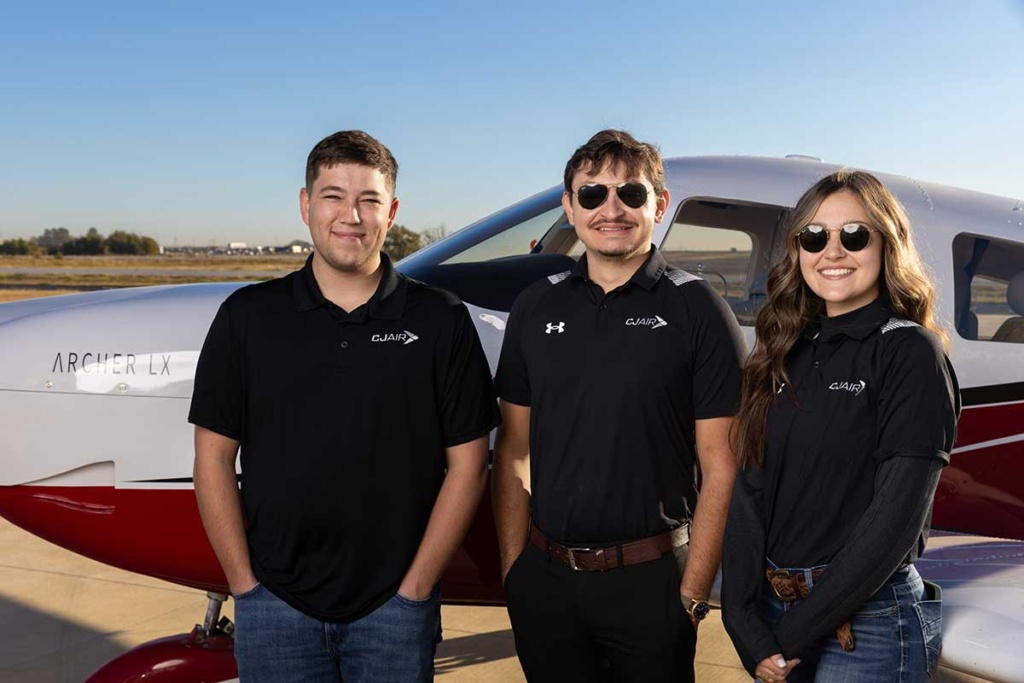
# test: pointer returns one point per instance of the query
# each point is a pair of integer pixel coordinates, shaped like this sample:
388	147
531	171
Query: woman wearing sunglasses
848	415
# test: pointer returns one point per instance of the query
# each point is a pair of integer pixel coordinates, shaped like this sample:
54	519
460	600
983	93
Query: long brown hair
792	305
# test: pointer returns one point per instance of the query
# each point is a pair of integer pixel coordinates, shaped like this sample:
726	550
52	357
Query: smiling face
614	231
845	280
349	211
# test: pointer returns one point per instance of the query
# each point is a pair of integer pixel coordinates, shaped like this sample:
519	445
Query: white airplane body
95	389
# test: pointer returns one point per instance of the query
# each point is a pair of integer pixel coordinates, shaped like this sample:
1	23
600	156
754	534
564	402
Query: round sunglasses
853	236
632	194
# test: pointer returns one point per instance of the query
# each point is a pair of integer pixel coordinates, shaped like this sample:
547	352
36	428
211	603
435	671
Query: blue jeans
897	632
394	643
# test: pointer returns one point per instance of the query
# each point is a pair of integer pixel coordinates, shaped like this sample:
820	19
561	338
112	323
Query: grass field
26	277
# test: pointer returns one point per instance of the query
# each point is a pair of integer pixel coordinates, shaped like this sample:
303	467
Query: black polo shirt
614	383
868	386
343	420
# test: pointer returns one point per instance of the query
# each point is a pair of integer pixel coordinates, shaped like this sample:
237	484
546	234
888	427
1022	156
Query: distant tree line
399	243
59	241
402	241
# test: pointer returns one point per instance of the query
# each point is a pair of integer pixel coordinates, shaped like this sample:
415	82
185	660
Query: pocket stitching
249	593
931	633
415	603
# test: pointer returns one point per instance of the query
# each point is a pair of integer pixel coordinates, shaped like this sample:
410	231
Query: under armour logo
552	327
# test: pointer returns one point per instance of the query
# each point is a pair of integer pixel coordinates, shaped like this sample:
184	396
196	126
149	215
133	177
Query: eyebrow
336	188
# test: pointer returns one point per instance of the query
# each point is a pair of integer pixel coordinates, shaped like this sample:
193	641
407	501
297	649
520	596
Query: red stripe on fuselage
158	532
985	423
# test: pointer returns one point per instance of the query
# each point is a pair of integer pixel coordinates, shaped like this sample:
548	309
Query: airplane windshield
517	240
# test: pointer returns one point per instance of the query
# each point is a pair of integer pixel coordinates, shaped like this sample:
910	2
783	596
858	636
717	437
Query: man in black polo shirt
617	378
362	403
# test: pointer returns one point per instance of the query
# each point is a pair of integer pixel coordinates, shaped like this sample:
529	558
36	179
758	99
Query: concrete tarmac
63	616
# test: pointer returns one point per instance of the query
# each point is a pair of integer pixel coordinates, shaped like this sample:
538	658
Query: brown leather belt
602	559
789	586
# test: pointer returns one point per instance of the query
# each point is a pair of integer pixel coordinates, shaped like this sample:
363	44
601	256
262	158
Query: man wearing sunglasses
617	379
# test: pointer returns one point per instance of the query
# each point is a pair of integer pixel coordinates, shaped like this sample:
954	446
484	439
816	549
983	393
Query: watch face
700	610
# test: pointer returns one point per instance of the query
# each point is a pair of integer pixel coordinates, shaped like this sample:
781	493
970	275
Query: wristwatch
697	609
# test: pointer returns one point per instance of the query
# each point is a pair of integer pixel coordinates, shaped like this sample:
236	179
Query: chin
621	252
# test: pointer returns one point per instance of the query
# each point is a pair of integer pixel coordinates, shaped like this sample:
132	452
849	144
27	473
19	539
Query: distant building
236	246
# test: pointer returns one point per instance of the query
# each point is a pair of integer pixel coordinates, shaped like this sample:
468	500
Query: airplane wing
982	583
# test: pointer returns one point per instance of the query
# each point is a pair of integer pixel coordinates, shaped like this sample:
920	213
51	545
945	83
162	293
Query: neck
347	289
610	271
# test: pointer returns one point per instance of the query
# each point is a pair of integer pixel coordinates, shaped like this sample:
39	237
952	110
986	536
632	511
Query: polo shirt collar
387	302
858	324
646	275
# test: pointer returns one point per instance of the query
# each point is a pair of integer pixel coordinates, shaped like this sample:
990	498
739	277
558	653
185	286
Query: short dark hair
610	147
351	147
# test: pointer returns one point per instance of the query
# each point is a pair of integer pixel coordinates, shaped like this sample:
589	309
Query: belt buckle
572	558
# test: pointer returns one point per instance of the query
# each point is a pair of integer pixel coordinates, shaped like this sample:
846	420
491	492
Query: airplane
95	389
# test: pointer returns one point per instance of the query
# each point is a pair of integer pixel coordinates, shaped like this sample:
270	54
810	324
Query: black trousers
621	625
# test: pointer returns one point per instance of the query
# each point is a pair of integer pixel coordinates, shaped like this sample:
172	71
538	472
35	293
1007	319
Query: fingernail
780	662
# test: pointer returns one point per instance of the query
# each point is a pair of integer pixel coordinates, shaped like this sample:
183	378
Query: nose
349	212
613	205
834	247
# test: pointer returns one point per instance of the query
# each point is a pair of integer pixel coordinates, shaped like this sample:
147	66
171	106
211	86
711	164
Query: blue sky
191	122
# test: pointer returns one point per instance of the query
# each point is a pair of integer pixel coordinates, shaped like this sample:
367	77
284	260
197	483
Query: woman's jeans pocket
929	612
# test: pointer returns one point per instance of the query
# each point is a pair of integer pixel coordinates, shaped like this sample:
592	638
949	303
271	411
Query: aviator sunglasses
853	236
632	194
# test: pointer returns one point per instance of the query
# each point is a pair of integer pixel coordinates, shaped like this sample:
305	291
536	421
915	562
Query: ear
392	212
304	205
567	205
661	205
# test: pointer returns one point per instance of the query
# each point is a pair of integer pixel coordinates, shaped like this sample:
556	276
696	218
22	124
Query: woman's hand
774	669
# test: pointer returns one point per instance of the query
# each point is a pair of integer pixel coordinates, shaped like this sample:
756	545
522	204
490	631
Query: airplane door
729	243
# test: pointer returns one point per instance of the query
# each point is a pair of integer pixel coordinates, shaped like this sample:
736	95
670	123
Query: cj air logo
853	387
405	336
653	323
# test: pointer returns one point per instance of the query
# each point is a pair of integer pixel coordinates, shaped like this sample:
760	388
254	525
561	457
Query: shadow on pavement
37	646
456	653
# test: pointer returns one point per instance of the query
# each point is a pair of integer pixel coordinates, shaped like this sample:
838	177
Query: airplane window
988	289
727	243
719	256
517	240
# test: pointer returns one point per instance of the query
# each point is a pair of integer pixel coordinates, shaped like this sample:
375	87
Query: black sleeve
468	407
743	571
885	534
719	351
219	392
512	379
919	399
